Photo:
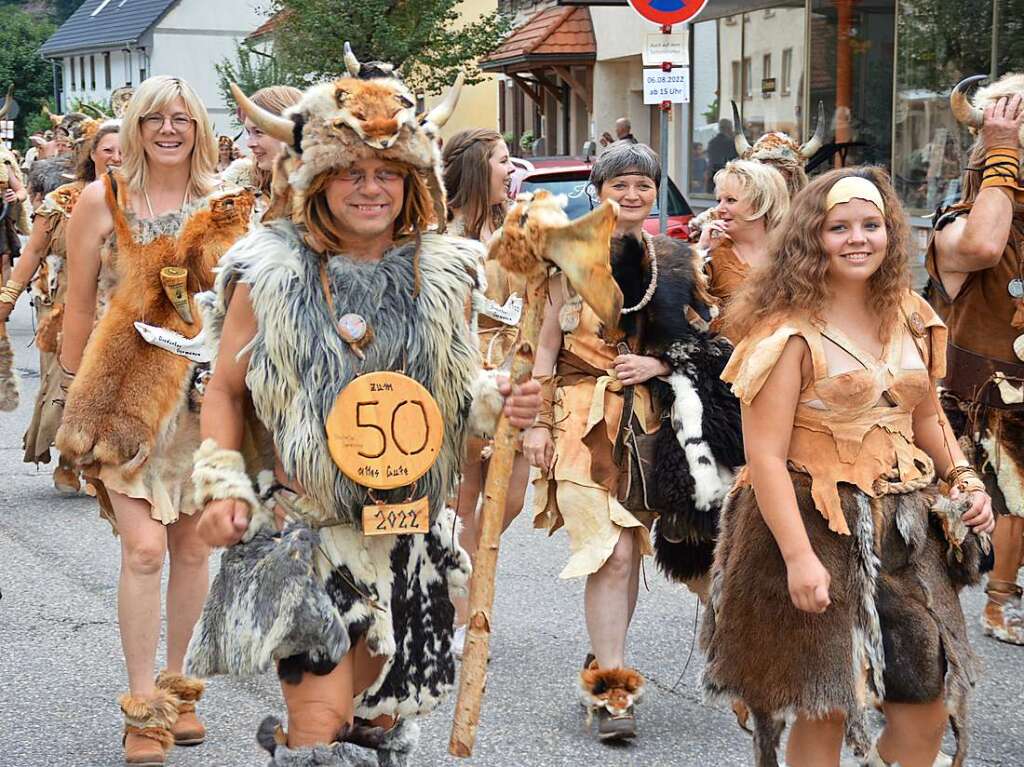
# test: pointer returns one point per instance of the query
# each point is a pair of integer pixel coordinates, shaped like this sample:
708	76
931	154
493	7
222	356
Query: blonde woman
752	200
131	419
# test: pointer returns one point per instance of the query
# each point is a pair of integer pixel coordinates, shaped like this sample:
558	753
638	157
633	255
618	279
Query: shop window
851	67
936	49
721	71
787	72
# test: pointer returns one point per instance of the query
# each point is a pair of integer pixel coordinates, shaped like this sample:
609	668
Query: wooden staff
536	233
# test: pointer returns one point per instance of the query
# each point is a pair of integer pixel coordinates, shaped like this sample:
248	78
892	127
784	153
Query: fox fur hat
370	113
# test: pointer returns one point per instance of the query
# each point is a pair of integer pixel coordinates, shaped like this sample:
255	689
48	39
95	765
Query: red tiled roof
555	31
268	26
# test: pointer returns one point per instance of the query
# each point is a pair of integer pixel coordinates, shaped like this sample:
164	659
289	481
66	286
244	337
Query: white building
106	44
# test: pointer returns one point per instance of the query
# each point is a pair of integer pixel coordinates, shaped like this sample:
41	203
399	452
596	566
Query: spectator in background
623	132
698	168
721	149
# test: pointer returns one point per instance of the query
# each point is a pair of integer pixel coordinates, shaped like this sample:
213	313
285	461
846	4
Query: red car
570	176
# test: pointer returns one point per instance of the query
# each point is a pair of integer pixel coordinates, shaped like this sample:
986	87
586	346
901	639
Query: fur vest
300	364
700	444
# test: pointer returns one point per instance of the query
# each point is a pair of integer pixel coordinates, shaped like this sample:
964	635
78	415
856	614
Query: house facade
107	44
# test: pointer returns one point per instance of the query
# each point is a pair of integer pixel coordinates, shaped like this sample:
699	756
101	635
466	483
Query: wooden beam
527	89
550	87
585	94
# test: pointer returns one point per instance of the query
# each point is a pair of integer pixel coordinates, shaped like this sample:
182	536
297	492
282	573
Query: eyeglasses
384	176
179	122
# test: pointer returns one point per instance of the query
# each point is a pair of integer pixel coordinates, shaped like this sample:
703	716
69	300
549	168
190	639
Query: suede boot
147	728
187	730
272	737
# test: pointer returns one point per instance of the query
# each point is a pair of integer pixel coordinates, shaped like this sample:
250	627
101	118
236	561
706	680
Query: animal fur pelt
895	608
299	365
614	689
46	175
127	391
243	630
700	444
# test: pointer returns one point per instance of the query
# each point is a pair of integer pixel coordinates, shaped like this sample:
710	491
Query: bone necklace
184	202
649	294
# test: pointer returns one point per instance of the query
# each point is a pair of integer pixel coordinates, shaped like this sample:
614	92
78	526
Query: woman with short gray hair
602	400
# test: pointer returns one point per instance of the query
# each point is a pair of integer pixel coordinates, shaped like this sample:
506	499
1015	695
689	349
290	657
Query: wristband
219	474
1001	168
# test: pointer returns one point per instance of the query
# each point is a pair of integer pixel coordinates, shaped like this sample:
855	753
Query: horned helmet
779	150
971	112
368	114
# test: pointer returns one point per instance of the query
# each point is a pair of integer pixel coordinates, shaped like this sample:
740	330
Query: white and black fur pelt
700	443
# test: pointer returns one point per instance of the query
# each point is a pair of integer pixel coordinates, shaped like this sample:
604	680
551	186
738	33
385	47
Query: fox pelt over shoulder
127	392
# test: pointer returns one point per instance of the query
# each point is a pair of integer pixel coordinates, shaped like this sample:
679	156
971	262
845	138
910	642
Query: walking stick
536	234
8	376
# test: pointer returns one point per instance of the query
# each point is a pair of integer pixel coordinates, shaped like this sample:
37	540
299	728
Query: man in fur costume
347	289
976	263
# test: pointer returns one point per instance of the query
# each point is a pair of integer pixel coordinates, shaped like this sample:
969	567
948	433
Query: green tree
251	70
62	9
21	35
426	39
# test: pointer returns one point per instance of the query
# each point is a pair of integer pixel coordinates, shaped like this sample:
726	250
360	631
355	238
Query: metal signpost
669	83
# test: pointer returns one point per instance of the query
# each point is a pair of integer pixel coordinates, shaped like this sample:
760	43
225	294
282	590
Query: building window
81	70
106	70
142	74
767	87
723	71
71	69
92	71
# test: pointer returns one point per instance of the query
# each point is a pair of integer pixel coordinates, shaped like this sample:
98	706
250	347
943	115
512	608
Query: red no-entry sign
668	11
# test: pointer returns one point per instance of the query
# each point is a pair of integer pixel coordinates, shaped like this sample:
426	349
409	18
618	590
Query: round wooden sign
385	430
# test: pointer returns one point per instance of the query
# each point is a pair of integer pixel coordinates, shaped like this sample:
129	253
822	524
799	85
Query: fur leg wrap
614	689
219	474
394	747
486	405
151	717
187	689
8	377
271	736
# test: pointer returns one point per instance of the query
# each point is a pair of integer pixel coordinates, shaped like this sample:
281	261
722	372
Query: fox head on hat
337	123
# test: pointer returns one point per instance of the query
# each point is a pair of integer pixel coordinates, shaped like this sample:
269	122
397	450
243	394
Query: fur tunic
392	590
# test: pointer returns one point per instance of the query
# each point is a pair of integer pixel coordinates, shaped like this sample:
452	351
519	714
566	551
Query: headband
854	187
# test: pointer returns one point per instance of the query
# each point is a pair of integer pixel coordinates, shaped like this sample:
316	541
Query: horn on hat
817	141
439	115
963	111
739	137
55	120
351	62
274	125
8	102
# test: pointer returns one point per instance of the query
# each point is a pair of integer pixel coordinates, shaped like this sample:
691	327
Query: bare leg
320	706
1008	543
143	546
913	733
606	603
186	586
815	742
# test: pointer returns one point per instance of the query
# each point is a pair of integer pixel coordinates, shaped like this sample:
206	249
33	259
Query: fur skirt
394	591
895	615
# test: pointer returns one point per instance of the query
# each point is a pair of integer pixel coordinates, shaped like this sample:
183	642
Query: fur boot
394	747
187	690
611	693
147	728
272	737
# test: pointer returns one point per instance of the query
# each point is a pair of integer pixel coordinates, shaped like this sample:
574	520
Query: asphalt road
61	667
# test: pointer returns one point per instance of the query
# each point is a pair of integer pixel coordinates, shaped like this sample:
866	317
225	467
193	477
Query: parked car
570	177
